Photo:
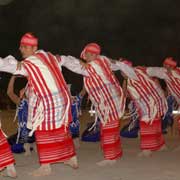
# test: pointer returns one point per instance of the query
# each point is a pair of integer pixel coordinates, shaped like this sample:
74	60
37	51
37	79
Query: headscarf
29	40
91	47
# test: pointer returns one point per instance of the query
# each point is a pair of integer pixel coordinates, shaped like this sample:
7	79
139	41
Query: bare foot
11	171
72	162
163	148
34	147
106	162
44	170
145	153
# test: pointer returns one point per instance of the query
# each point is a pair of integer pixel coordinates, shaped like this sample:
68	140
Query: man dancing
151	103
107	97
49	112
170	73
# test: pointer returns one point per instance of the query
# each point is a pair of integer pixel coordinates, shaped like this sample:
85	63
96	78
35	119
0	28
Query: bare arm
124	87
10	91
83	92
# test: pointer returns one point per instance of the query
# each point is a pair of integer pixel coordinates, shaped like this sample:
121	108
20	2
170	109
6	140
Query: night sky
144	32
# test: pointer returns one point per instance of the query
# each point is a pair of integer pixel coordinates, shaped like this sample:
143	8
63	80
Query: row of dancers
49	102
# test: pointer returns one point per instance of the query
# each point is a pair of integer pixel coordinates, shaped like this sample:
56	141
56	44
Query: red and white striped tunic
172	79
110	140
6	157
49	89
173	83
148	95
104	90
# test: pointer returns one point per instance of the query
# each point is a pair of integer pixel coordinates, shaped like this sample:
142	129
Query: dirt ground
161	166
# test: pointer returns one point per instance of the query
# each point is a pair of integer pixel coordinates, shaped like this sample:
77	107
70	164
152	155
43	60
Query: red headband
29	40
91	47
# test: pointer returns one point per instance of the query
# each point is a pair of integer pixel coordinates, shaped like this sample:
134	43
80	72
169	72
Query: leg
34	147
27	149
76	142
151	137
110	143
6	157
54	146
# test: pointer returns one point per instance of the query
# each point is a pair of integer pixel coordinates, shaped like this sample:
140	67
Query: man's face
27	51
90	56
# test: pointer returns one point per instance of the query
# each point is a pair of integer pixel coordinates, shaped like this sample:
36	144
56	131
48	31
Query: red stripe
54	145
53	67
89	86
97	81
110	140
151	87
173	84
104	63
141	91
6	157
151	135
33	70
111	77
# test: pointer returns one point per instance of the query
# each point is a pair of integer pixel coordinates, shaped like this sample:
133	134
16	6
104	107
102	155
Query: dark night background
143	31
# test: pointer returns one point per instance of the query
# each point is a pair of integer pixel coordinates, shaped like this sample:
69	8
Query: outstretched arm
73	64
158	72
11	93
8	64
125	68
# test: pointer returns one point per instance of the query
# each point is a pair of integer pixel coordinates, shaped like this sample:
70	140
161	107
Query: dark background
142	31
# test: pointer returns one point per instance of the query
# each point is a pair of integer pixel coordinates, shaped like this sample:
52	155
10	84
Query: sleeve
126	69
8	64
158	72
21	71
73	64
118	65
111	63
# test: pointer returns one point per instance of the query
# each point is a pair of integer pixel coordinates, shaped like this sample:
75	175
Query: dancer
170	73
107	97
152	105
49	112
